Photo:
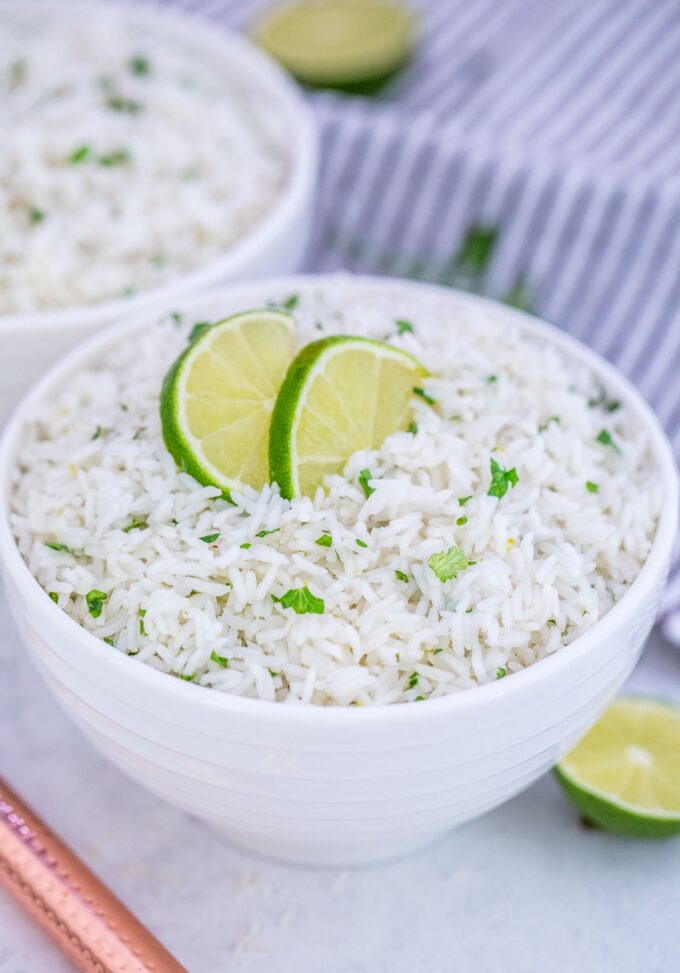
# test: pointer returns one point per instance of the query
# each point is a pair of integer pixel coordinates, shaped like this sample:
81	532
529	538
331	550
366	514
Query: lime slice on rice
347	44
217	398
625	774
339	395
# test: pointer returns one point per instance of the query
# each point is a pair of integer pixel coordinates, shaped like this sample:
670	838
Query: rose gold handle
88	923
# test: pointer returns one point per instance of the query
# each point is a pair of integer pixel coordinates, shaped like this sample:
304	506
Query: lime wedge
347	44
217	398
625	773
339	395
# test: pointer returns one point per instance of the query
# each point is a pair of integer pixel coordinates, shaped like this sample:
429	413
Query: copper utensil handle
88	923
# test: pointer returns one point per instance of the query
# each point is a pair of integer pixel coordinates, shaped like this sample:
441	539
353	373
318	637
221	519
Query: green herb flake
519	296
302	601
544	425
291	302
97	433
605	439
61	547
265	533
108	641
418	699
324	541
198	329
272	673
501	672
361	543
463	500
421	393
54	596
135	525
413	680
404	327
476	249
401	576
126	106
412	428
139	65
141	612
592	487
501	480
447	564
613	406
35	215
364	476
95	601
187	678
245	547
551	622
491	379
81	154
461	521
209	538
221	660
119	157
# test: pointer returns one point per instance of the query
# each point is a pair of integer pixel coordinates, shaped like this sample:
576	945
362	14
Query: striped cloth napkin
531	151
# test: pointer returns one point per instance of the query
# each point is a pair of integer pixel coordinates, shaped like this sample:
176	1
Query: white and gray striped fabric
550	131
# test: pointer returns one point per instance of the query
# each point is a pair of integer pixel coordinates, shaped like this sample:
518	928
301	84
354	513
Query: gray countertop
525	889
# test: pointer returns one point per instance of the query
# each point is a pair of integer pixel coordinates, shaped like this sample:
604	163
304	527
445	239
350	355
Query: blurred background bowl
335	785
275	244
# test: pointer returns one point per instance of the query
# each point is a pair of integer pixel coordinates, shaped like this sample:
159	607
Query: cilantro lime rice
512	514
134	157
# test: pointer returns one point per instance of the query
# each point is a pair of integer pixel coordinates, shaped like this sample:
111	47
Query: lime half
625	773
339	395
347	44
217	398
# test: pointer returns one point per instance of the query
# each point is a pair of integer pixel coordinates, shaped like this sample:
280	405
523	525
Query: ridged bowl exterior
334	785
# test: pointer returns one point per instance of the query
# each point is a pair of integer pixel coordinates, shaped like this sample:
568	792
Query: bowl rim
632	602
303	140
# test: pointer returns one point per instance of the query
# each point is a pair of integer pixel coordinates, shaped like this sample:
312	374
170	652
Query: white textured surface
524	889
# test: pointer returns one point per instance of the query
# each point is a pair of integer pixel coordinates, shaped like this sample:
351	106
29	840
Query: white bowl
32	341
326	785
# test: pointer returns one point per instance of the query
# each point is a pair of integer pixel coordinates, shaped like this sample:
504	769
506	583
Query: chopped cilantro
613	406
119	157
61	547
463	500
401	576
413	680
447	564
264	533
141	612
324	541
461	521
135	525
423	395
361	543
95	601
605	439
209	538
272	673
244	547
364	477
412	428
291	302
404	327
221	660
187	678
551	622
97	433
198	329
491	379
139	65
79	155
544	425
418	699
500	672
302	601
127	106
54	596
175	317
592	487
476	249
501	479
108	641
35	215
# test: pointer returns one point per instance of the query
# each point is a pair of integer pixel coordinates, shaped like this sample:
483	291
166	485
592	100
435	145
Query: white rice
551	556
133	158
